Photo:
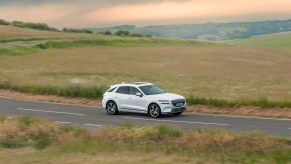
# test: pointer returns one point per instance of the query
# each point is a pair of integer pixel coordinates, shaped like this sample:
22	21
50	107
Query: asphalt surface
94	118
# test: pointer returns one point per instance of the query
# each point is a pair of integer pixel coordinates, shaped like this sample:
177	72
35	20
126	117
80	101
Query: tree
136	35
122	33
37	26
3	22
105	33
76	30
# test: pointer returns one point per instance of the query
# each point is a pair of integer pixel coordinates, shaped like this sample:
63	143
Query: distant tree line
37	26
41	26
76	30
123	33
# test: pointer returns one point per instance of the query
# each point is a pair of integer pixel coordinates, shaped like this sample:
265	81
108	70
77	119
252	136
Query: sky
102	13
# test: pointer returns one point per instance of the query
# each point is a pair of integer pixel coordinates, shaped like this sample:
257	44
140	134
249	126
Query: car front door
122	97
137	103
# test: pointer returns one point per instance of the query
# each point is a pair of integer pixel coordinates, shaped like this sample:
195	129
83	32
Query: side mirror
138	94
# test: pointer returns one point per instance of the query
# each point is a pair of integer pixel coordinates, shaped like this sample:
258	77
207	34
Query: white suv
142	97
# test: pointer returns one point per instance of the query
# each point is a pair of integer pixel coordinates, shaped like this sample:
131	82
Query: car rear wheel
111	108
154	110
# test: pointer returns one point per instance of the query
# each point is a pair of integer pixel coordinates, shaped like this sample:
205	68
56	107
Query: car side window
134	90
123	90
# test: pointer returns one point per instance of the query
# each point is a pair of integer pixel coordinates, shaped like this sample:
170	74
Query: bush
37	26
3	22
41	139
163	130
24	120
77	30
136	35
122	33
105	33
12	143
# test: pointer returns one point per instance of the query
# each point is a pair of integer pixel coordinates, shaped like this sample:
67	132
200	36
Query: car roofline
132	84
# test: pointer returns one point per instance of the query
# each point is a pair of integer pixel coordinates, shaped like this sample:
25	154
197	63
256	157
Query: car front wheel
112	108
154	110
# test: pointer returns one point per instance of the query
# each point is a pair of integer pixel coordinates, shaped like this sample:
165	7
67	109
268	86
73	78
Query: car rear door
122	97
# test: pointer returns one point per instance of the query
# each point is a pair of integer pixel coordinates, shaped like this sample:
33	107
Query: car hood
167	96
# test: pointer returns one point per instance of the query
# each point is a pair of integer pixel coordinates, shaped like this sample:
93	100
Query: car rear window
123	90
112	89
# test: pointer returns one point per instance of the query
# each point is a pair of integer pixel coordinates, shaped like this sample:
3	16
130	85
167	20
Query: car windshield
151	90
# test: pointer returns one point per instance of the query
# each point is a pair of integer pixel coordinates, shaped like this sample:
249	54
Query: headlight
164	101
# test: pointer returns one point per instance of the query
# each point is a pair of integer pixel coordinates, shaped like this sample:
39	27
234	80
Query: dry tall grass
55	143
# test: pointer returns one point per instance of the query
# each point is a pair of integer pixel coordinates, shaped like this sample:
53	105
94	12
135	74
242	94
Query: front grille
178	103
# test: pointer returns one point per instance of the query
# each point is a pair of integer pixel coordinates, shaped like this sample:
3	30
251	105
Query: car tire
154	110
112	108
177	114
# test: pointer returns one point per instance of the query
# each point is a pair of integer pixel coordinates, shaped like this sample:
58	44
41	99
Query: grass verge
210	146
263	102
92	92
95	92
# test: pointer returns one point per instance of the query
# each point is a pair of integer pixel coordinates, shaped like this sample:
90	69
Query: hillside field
280	41
183	66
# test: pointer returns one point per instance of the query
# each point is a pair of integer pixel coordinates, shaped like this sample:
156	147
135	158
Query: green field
280	41
183	66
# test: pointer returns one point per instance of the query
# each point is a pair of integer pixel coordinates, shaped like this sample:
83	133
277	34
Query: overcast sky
99	13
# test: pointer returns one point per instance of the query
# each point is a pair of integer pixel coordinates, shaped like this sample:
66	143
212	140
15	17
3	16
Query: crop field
216	71
187	67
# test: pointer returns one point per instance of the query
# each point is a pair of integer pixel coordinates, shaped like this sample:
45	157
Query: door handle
130	98
115	97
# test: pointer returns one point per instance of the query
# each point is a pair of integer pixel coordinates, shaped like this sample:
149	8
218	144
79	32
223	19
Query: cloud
101	3
47	12
77	13
185	10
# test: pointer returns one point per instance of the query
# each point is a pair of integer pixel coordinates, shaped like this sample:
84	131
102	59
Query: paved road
92	117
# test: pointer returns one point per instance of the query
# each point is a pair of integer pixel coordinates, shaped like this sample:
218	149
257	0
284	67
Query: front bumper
172	109
178	110
103	103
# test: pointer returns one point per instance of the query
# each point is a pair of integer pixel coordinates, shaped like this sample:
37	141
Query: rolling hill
207	31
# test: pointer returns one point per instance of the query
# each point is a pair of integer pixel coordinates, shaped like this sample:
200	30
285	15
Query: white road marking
93	125
289	128
35	110
61	122
187	122
234	116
